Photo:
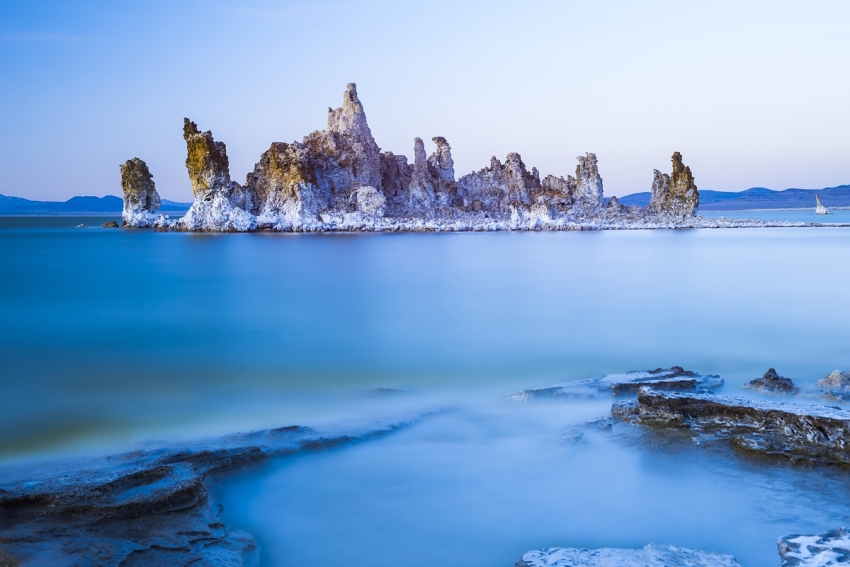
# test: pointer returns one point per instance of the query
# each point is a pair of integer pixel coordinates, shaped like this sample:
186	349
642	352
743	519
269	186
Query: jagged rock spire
206	160
588	181
138	186
674	194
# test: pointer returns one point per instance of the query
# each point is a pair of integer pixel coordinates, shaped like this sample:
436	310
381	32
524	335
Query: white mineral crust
653	555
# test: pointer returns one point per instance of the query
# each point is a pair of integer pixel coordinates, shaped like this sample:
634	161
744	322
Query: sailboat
820	209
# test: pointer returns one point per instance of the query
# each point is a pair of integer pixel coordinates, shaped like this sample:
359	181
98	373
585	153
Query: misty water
115	339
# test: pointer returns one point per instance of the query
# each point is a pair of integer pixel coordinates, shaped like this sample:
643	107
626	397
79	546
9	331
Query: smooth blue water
835	216
110	336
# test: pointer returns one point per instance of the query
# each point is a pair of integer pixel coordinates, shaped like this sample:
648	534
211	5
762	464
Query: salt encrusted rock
220	204
830	548
660	191
149	507
798	432
422	188
819	208
836	380
614	206
653	555
675	195
141	201
675	379
771	383
588	191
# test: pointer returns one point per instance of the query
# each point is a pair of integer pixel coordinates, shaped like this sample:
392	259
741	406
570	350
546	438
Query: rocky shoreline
338	179
153	507
146	508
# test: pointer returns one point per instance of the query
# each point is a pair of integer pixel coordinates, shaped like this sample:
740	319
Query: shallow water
111	338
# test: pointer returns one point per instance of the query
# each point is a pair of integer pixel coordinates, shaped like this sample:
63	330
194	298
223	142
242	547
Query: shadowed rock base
799	432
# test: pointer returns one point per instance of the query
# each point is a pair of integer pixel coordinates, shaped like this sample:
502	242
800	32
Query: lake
114	339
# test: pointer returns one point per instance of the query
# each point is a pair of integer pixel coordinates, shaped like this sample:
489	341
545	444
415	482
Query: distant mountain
109	204
759	198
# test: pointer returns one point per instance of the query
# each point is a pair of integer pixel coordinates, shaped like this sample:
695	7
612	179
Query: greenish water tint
111	338
112	335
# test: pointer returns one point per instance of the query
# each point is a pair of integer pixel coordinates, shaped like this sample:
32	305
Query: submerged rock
653	555
149	507
798	432
771	383
830	548
141	201
674	378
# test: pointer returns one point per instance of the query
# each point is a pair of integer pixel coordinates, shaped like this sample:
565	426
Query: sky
752	93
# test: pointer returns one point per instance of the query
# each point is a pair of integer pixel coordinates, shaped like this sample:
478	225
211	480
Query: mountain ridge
81	204
758	198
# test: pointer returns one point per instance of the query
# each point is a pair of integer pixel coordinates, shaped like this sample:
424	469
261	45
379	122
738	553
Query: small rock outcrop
836	380
771	383
819	208
675	379
141	201
830	548
798	432
110	224
653	555
675	194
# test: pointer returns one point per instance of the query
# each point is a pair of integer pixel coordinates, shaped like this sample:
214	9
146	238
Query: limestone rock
675	379
110	224
830	548
652	555
150	507
819	208
422	185
285	188
772	383
499	188
588	190
835	380
141	201
798	432
675	195
614	206
660	191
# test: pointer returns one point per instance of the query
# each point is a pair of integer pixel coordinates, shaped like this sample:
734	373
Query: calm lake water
114	338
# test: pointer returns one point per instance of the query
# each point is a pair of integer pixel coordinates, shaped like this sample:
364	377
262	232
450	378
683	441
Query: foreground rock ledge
144	508
799	432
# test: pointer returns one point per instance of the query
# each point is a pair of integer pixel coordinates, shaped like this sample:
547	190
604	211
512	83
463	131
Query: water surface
111	338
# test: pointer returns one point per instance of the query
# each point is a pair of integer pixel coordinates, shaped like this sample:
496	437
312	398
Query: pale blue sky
752	93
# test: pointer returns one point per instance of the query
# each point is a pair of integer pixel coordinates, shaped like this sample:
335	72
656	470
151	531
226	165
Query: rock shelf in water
339	179
812	433
145	508
675	378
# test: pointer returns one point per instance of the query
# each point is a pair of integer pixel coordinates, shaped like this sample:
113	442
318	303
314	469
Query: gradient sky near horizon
753	93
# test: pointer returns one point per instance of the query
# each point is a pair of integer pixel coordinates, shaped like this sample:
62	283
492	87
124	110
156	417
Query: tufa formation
339	179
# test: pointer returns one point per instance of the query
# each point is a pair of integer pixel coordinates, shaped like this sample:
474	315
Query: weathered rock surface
144	508
141	201
653	555
675	194
110	224
339	179
771	383
819	208
830	548
795	431
675	379
836	380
